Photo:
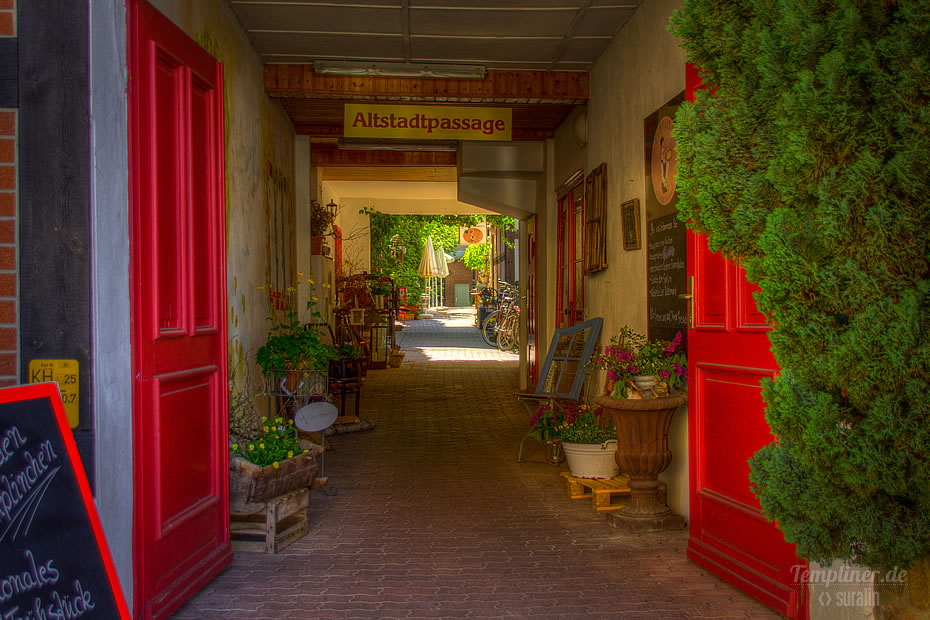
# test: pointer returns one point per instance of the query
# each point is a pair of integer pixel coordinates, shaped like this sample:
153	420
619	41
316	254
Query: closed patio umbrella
428	267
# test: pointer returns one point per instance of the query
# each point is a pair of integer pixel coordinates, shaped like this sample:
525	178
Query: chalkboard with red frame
56	563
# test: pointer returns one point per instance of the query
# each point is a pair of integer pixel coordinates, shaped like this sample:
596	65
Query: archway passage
433	516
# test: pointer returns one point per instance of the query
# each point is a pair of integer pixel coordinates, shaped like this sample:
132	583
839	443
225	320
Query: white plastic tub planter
592	460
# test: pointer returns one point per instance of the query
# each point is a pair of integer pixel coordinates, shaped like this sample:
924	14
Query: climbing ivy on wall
414	230
809	163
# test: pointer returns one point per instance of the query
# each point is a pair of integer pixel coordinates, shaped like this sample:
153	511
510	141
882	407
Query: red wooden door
569	303
181	506
532	351
728	356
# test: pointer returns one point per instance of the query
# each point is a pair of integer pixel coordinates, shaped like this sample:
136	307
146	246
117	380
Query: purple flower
612	375
665	374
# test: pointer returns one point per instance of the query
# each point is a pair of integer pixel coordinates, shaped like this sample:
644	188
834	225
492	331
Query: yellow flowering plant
277	442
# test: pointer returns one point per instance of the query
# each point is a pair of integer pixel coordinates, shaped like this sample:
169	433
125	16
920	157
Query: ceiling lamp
399	69
442	146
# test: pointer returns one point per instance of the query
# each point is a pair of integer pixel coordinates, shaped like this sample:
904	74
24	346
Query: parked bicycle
506	317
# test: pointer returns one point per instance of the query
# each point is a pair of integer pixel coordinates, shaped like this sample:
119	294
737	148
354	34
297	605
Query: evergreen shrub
809	161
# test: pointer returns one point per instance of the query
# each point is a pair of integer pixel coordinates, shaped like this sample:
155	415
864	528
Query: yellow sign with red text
434	122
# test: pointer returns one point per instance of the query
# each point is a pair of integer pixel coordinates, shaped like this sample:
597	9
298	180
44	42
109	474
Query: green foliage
589	427
476	256
320	219
414	230
630	354
277	442
809	162
291	344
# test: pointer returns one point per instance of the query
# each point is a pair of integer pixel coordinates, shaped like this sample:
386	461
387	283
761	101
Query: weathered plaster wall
260	177
642	69
112	355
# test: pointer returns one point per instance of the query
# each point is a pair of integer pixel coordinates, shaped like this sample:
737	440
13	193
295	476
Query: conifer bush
810	163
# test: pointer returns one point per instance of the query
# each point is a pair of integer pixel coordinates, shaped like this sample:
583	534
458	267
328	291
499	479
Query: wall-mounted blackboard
56	563
667	277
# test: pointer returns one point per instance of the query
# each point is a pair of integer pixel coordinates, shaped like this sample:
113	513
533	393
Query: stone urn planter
642	453
591	460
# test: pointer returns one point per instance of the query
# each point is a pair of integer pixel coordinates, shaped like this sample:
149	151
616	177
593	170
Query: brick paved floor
433	517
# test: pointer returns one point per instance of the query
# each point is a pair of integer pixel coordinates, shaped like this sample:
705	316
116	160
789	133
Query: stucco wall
642	69
260	205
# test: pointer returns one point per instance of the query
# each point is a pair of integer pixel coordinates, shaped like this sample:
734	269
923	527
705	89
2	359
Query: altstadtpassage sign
427	122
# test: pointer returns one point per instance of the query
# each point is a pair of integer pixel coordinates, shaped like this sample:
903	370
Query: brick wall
458	274
9	323
7	18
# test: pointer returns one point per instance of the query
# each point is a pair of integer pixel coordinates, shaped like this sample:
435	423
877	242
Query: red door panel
728	356
181	506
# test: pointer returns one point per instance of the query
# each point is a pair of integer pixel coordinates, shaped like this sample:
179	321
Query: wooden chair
565	371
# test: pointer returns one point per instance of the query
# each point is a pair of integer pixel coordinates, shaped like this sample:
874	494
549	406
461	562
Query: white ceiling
537	35
399	196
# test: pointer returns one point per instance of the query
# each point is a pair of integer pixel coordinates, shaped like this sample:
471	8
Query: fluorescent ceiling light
349	144
399	69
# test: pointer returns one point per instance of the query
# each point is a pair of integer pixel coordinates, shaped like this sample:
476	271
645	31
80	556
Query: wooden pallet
283	521
602	490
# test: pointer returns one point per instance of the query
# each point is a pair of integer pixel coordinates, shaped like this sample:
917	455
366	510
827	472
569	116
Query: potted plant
293	350
379	289
589	440
643	411
347	361
544	425
271	464
641	368
321	219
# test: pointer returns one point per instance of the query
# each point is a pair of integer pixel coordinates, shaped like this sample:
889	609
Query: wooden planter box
251	484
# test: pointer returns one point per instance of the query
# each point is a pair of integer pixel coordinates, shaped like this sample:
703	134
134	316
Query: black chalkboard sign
667	277
56	563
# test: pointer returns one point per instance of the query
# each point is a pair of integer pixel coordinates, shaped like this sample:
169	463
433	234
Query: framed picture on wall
631	229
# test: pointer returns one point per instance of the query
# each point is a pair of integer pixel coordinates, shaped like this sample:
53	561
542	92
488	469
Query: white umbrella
441	262
428	265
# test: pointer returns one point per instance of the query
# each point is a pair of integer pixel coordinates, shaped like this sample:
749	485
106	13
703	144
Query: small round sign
315	416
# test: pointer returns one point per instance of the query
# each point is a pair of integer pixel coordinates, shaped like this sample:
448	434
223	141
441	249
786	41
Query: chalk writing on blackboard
56	565
666	276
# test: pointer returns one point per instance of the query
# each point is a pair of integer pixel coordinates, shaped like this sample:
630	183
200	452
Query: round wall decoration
664	160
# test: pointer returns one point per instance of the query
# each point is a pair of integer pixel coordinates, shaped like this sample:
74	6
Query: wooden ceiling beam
390	173
336	131
331	155
512	86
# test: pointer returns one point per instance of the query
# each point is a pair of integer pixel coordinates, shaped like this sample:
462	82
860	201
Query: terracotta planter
642	452
317	245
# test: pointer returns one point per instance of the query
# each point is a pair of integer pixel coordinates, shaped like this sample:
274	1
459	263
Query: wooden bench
602	490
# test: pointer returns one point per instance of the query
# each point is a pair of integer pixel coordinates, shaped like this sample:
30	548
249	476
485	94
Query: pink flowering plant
381	286
570	421
630	354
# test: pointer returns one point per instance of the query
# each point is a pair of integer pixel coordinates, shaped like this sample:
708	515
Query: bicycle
506	302
508	329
